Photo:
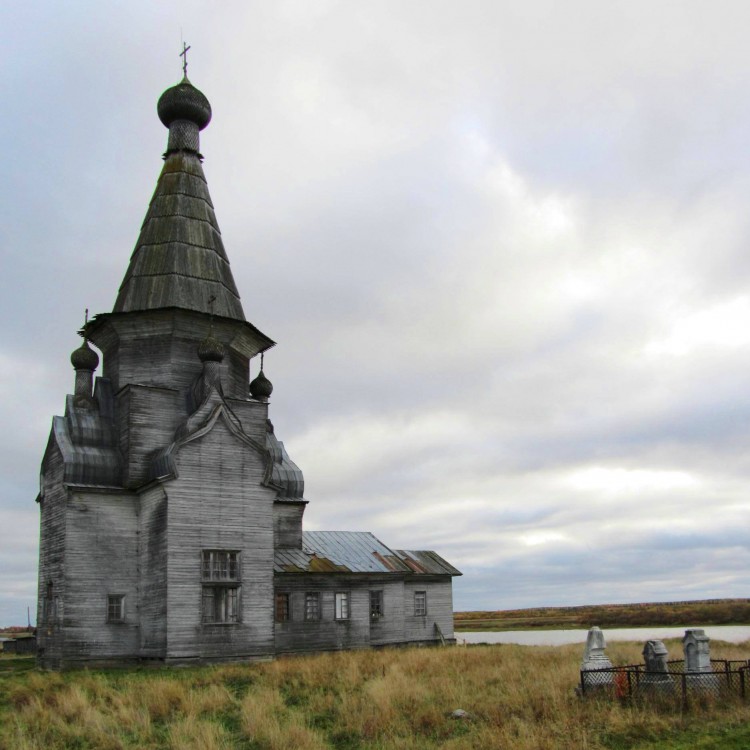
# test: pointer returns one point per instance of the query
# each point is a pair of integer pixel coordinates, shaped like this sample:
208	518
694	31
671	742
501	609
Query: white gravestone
695	645
593	655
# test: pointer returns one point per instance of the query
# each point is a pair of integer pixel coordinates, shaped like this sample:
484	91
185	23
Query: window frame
377	609
221	586
115	608
342	605
282	613
312	614
420	604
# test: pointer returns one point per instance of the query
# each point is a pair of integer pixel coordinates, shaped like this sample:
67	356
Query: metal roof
356	552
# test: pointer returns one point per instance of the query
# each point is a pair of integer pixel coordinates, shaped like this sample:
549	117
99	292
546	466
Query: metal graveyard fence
727	678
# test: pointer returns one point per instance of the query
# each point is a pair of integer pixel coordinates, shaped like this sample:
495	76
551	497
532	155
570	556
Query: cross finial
183	55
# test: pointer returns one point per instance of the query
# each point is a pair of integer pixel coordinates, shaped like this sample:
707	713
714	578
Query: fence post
742	683
684	692
583	684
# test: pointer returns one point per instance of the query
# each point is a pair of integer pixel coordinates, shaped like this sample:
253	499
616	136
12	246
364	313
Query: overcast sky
504	248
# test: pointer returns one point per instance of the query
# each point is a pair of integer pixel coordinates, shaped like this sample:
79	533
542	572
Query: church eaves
179	258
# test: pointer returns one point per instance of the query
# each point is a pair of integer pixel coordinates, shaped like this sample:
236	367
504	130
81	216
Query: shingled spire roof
179	258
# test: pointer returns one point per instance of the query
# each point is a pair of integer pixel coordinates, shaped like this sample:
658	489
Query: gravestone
655	656
593	655
657	672
594	658
695	646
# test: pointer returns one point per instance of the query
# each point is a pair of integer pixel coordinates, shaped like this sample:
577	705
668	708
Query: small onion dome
184	102
84	358
210	350
261	388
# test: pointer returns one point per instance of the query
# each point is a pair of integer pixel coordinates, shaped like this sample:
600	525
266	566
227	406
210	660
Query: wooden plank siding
148	417
153	562
287	523
101	558
388	629
159	348
398	624
53	499
218	503
325	633
439	609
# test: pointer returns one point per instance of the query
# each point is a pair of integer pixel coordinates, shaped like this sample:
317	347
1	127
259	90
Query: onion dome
84	358
184	102
261	388
211	350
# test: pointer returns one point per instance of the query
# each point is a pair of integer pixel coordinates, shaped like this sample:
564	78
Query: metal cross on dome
183	55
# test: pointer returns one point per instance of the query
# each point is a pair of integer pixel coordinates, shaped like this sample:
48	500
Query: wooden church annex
170	513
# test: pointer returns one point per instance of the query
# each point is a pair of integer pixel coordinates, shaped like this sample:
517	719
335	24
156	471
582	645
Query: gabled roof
356	552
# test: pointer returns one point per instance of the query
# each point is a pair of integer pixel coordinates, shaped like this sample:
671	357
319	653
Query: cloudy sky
504	248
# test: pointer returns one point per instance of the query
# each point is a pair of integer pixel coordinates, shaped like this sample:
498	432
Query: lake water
731	633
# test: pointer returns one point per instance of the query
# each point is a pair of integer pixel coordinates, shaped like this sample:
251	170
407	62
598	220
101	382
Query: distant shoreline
647	614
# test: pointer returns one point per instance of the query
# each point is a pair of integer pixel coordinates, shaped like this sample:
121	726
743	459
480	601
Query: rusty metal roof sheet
426	561
356	552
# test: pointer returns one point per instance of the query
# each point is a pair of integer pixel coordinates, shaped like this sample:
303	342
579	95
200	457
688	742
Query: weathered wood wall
159	348
287	523
147	420
326	633
51	560
397	625
153	566
390	627
439	608
101	558
218	502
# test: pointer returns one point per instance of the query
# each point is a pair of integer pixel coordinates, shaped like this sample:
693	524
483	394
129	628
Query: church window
420	603
220	574
312	605
115	607
342	605
282	607
376	605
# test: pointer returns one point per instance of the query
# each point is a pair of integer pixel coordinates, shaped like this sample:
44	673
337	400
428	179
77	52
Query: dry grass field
518	697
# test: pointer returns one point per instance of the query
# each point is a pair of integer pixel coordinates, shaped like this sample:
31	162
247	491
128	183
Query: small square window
282	607
376	605
420	603
342	605
312	605
115	608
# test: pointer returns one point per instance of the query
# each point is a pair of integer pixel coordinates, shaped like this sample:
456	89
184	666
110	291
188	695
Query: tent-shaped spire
179	258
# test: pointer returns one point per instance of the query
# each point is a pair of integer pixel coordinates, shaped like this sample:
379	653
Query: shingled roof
179	258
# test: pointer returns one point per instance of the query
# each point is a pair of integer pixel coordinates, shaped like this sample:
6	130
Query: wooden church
171	514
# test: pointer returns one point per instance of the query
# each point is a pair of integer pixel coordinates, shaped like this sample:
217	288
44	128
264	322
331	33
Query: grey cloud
444	214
